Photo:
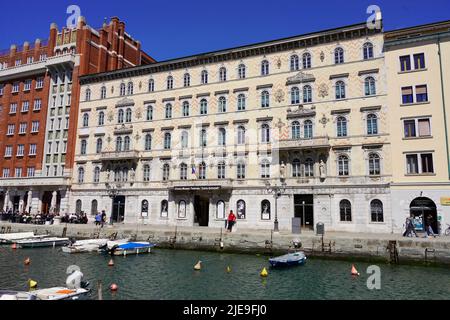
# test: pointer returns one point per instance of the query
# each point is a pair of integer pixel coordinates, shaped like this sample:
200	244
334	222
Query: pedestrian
231	221
103	220
428	226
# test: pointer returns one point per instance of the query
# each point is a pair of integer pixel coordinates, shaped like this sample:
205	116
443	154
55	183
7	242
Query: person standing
231	221
428	225
103	219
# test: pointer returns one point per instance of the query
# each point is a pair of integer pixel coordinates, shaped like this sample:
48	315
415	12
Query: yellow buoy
198	266
264	273
32	284
229	269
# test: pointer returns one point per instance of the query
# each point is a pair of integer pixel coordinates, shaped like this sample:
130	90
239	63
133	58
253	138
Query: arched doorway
420	209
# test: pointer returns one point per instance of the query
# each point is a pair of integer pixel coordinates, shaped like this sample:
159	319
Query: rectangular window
419	61
37	104
20	150
23	128
15	87
407	95
27	85
13	108
405	63
412	164
424	127
5	173
31	172
2	89
427	163
43	57
421	93
18	62
18	173
11	129
25	106
8	151
32	151
410	128
30	60
39	83
35	126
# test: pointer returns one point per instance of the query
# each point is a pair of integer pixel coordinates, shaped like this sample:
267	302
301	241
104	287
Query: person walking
428	226
103	218
231	221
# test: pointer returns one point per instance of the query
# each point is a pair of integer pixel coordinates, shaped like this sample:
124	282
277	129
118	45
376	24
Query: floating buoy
264	273
114	287
27	261
229	269
111	263
14	246
198	266
33	284
354	271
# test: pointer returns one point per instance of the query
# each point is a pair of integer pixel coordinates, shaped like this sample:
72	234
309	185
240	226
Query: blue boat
132	248
288	260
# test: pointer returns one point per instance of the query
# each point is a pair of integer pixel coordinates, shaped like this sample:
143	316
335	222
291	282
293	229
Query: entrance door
16	203
304	209
118	214
201	207
423	210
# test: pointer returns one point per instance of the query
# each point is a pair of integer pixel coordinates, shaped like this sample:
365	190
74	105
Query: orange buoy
14	246
114	287
111	263
354	271
27	261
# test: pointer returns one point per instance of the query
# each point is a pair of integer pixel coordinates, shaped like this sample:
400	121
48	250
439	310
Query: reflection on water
169	275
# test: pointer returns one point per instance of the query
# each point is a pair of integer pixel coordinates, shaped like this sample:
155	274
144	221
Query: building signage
445	201
206	188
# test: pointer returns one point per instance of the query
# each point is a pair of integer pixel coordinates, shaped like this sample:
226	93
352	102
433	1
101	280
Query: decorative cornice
185	97
374	108
217	93
200	95
221	123
149	101
337	76
300	77
264	86
241	89
241	121
125	102
364	72
101	108
264	119
341	111
168	99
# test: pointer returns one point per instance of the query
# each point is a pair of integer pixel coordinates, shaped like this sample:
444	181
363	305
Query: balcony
200	185
23	70
298	144
34	182
66	61
119	155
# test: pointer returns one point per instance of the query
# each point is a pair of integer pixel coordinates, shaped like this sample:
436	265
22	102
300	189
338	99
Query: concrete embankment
368	247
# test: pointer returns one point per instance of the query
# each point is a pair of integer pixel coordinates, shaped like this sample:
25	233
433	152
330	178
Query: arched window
265	68
103	93
164	209
308	129
148	142
151	85
295	130
372	124
182	209
99	145
343	165
370	87
306	59
169	83
220	210
167	141
186	109
242	71
345	209
86	120
121	116
166	172
127	143
168	111
307	94
122	89
149	113
265	133
241	135
80	175
130	88
265	169
183	171
83	147
265	210
187	80
376	211
368	51
223	74
241	102
78	206
295	65
222	104
265	99
240	170
88	95
203	107
339	56
184	139
341	127
309	168
340	90
374	164
94	207
202	171
296	173
96	175
119	144
295	95
204	79
101	118
222	137
146	173
221	170
203	138
128	115
241	209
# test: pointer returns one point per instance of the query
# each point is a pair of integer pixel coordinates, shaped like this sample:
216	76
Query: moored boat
10	295
82	246
43	242
132	248
288	260
57	293
6	238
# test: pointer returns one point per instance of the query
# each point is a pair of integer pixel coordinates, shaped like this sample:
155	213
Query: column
53	203
22	203
29	202
6	201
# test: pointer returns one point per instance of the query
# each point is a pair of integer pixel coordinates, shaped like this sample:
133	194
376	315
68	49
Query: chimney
81	22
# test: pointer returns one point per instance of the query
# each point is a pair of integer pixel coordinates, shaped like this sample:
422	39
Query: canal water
169	275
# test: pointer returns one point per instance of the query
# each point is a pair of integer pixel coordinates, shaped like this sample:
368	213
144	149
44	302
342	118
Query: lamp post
113	190
277	191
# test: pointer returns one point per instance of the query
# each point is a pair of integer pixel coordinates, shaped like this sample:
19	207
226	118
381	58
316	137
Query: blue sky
170	29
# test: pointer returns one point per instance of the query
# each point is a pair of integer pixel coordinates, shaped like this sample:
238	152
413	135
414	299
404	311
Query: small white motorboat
43	242
132	248
92	245
6	238
60	293
6	295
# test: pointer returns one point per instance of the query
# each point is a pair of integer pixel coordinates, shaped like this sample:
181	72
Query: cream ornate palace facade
184	141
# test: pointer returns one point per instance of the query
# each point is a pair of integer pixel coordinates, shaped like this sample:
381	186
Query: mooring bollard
99	290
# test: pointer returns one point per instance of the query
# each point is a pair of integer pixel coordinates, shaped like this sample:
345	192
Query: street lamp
113	190
277	191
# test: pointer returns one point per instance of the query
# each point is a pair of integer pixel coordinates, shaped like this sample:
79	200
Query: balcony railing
200	185
119	155
313	143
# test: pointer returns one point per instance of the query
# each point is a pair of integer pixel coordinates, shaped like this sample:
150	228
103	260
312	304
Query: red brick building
39	97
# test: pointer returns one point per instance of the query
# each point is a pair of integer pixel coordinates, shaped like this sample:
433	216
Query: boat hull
289	260
44	243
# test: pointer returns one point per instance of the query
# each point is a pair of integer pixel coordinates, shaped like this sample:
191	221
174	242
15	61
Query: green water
169	275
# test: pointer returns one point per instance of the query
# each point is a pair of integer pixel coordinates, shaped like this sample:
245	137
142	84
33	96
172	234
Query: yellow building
418	73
